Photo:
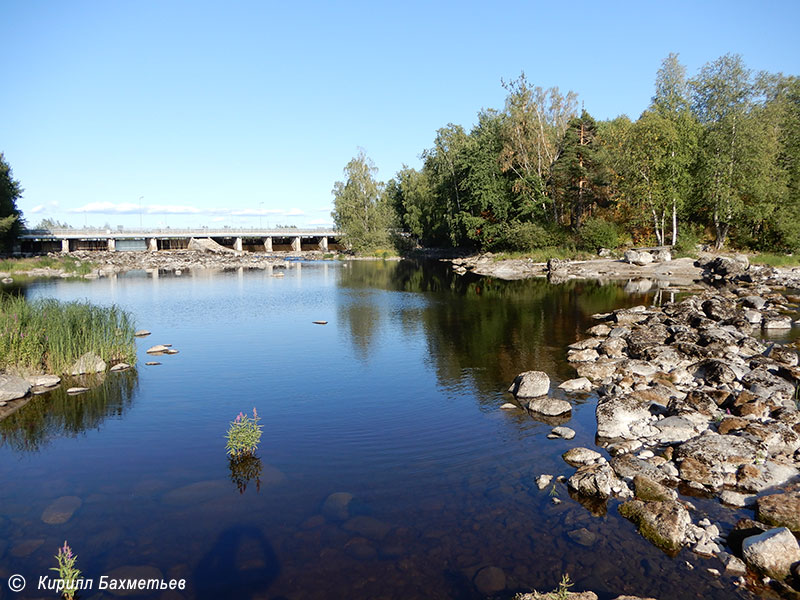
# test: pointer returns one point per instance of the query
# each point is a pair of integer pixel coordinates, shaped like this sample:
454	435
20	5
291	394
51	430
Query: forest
714	159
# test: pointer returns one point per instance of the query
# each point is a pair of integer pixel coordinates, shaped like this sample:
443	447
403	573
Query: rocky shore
695	400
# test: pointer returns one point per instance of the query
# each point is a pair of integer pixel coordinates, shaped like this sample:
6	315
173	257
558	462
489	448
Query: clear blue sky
245	113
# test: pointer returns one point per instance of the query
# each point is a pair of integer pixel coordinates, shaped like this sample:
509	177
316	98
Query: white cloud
54	204
37	209
107	208
129	208
173	209
218	219
293	212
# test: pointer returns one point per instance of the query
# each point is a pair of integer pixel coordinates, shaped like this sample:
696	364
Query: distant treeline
714	158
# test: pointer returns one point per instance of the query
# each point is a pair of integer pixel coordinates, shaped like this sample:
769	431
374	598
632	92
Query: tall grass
69	264
49	336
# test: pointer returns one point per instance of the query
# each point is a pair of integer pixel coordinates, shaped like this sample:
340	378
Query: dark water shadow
242	564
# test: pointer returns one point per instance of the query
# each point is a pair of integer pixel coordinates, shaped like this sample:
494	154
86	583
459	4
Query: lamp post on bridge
260	213
140	212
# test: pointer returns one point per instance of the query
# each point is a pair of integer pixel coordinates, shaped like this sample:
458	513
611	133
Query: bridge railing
199	232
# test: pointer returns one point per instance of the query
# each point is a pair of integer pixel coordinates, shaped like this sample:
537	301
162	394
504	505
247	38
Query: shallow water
395	401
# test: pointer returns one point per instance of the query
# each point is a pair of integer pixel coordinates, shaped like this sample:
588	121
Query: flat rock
509	406
368	527
583	536
780	510
550	407
542	481
152	363
158	349
580	384
123	366
61	510
625	417
737	499
77	390
772	552
142	333
13	388
25	548
530	384
588	355
649	490
44	380
88	363
581	456
563	432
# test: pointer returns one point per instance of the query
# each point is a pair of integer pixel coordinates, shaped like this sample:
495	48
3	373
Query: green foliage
68	574
775	260
10	217
360	209
244	435
69	264
689	237
49	336
524	237
597	233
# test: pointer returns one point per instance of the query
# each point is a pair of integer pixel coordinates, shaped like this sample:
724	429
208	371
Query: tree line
715	158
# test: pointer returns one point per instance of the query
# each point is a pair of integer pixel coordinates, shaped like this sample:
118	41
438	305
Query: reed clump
48	336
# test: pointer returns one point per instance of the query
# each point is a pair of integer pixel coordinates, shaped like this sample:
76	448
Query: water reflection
482	328
245	469
57	414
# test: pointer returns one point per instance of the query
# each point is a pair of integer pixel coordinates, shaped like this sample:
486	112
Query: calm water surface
395	402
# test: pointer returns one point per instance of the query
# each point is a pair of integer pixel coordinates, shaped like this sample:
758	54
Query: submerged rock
581	456
61	510
597	480
337	506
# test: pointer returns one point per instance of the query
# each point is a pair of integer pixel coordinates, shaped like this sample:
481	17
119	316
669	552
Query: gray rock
597	480
120	367
563	432
88	363
158	349
597	371
542	481
142	333
775	323
530	384
614	347
44	380
580	384
581	456
77	390
509	406
625	417
61	510
737	499
13	388
720	454
772	552
550	407
592	342
583	536
755	302
675	429
757	478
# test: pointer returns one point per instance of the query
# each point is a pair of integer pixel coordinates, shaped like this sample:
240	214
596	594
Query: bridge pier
152	244
268	244
323	243
65	246
237	244
112	245
296	244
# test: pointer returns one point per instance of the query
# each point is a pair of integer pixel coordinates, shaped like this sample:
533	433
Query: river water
395	402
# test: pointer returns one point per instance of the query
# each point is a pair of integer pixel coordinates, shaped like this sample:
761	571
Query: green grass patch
776	260
69	264
49	336
544	254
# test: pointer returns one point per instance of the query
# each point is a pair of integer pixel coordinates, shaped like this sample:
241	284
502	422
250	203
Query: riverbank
695	401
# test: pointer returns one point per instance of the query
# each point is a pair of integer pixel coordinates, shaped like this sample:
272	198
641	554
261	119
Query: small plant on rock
244	435
67	572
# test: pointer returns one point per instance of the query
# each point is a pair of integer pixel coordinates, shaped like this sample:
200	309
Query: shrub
244	435
527	236
598	233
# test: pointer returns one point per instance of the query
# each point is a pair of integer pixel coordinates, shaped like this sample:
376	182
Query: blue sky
188	113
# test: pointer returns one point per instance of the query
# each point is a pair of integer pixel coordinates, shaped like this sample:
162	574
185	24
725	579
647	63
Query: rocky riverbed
695	400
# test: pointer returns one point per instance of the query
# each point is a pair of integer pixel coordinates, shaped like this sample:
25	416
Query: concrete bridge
254	239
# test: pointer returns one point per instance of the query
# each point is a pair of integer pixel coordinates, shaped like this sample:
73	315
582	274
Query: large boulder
12	388
88	363
530	384
626	417
772	552
664	524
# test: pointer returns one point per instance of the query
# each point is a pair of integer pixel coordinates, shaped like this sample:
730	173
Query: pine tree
10	216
